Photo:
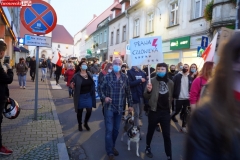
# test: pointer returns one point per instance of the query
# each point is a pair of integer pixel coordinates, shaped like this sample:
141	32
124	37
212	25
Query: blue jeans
112	124
22	80
44	73
70	91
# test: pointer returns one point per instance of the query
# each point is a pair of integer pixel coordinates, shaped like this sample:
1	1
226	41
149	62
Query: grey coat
153	95
77	79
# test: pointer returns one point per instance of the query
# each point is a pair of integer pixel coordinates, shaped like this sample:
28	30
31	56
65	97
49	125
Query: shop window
171	58
191	57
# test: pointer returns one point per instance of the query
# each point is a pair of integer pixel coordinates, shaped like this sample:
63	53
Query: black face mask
172	71
184	70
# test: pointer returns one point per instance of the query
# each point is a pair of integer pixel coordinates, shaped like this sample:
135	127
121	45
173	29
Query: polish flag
208	54
57	59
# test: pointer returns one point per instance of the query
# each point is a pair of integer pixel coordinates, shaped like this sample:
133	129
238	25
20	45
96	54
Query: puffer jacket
22	69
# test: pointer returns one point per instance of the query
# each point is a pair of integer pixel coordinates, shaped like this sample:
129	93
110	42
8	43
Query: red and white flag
237	87
57	59
208	54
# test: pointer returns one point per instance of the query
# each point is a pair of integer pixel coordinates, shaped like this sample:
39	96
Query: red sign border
50	8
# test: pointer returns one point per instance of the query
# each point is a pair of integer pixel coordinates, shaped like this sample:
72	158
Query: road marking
54	86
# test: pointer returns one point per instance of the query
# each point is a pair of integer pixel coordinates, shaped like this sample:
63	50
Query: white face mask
109	70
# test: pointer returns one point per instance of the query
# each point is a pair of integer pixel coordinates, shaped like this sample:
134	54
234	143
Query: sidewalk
29	139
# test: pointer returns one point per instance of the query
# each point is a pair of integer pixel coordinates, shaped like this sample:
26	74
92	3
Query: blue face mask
116	68
193	70
181	67
161	74
84	67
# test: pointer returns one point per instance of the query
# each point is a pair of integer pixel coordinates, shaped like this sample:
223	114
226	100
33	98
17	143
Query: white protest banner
146	51
95	79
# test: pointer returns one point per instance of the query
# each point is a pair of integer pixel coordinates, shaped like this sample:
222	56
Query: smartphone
6	60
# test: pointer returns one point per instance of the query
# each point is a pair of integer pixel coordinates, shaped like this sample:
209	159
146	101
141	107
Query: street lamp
147	2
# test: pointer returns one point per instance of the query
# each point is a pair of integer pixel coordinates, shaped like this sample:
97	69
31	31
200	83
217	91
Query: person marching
32	66
69	74
159	93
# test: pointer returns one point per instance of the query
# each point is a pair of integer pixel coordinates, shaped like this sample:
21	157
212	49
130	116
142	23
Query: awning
16	49
24	50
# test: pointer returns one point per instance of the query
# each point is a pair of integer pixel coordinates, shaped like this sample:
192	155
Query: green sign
180	43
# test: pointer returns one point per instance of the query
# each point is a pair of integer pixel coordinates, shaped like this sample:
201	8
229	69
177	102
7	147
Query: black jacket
204	139
5	79
177	85
44	64
32	65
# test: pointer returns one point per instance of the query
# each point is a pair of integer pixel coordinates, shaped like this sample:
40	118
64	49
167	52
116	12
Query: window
150	23
105	36
174	14
199	6
136	27
117	37
101	37
124	34
112	38
66	47
59	46
97	41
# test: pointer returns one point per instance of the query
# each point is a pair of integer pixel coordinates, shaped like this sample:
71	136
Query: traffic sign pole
36	84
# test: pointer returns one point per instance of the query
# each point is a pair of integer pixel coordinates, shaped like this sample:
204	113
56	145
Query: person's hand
8	66
108	100
130	109
143	80
72	85
149	87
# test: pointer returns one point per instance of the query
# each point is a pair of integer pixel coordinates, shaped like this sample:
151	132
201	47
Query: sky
75	14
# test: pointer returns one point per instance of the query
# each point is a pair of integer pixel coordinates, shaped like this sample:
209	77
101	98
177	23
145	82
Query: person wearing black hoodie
5	79
159	93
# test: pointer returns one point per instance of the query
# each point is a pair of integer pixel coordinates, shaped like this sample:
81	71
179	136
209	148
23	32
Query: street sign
200	51
204	42
40	18
41	41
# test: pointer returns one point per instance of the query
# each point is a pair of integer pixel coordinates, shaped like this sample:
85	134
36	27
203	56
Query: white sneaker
21	87
24	87
184	129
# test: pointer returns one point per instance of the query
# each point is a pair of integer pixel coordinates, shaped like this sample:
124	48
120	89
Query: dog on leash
132	131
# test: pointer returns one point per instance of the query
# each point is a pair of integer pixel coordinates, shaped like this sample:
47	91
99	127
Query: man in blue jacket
5	79
138	80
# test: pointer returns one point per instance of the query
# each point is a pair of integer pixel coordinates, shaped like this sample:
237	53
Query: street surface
90	144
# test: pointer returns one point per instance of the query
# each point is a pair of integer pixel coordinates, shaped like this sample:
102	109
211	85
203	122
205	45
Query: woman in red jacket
199	82
69	74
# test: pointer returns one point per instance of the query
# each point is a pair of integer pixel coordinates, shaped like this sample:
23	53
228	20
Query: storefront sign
180	43
15	3
40	41
144	51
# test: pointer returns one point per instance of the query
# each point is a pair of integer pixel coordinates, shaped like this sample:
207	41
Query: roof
92	25
61	35
117	7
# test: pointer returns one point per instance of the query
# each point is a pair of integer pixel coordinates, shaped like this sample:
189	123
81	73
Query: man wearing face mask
159	93
137	80
95	69
114	89
182	85
172	72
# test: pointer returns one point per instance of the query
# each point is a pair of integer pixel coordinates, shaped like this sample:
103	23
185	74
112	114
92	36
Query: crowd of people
207	99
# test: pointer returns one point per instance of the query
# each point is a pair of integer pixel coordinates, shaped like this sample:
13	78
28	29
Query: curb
62	150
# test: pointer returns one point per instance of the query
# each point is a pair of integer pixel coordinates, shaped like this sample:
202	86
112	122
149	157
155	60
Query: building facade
10	30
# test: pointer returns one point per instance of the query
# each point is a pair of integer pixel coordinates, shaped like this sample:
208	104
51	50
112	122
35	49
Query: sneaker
24	87
111	157
174	119
115	152
148	152
5	151
184	130
21	87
